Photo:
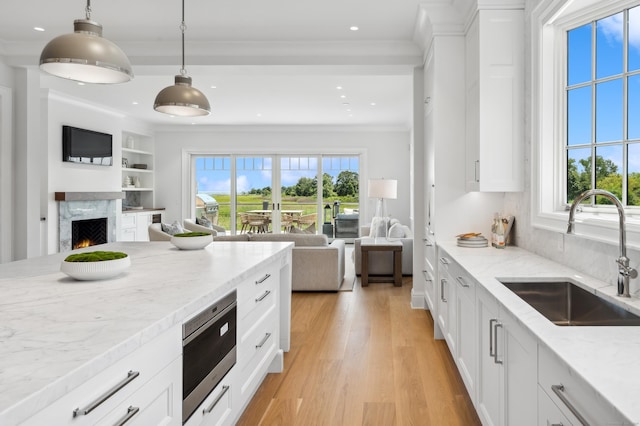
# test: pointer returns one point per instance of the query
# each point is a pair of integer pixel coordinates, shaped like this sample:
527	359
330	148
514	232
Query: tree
327	185
607	178
347	184
306	187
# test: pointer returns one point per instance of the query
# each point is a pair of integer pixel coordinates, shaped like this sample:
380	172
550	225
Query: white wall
386	154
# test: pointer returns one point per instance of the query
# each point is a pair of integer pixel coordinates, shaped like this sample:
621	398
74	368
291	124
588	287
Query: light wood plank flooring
362	358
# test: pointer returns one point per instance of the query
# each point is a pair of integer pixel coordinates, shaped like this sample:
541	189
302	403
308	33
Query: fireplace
88	232
88	208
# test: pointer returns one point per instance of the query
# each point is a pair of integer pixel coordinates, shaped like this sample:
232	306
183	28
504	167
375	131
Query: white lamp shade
383	188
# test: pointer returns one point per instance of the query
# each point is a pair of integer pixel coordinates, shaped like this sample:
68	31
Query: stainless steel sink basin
565	303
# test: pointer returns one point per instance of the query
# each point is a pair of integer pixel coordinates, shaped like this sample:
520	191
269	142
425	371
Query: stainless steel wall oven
208	351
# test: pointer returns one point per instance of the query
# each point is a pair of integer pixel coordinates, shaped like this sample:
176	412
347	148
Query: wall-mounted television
86	146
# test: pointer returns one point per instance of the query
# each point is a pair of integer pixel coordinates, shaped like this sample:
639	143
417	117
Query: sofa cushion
239	237
300	240
396	231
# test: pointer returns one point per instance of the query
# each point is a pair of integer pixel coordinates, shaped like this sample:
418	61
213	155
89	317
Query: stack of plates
474	242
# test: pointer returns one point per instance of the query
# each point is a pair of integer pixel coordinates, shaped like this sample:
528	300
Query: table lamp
382	189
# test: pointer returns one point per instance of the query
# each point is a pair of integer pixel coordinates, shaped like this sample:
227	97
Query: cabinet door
142	224
519	353
452	326
466	331
488	395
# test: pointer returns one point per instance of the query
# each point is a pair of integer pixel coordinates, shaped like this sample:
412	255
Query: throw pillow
378	228
396	231
172	229
203	221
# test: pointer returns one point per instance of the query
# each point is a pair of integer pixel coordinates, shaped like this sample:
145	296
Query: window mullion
593	107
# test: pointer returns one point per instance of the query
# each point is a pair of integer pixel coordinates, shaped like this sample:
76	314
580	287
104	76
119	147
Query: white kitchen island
61	338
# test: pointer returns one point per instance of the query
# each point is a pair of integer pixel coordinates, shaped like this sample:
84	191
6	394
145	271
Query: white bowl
89	271
191	243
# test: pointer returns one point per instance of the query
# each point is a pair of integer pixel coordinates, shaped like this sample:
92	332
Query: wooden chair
286	221
258	223
244	222
306	220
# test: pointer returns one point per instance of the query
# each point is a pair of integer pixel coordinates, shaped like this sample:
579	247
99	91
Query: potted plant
191	240
95	265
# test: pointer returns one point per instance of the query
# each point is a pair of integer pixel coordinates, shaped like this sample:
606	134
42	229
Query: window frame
550	21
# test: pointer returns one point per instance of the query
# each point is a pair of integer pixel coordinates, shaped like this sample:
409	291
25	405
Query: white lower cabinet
466	329
507	368
446	315
548	413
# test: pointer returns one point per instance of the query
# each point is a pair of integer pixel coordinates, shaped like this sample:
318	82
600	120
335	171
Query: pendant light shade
182	99
86	56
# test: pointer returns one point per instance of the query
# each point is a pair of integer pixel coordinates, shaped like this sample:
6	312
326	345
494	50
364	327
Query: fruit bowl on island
191	240
95	265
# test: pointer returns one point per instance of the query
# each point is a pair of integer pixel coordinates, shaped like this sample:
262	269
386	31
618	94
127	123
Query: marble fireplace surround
85	205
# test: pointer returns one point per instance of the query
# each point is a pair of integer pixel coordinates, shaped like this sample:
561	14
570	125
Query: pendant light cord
88	10
183	27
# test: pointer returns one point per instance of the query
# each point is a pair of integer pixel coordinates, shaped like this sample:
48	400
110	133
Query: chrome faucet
624	270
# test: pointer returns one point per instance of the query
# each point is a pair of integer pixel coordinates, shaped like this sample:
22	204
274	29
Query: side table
381	244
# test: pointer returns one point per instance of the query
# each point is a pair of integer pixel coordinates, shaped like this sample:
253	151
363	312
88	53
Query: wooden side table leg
397	268
364	274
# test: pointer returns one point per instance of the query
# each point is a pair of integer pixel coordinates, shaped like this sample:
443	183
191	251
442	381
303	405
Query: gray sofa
316	264
381	263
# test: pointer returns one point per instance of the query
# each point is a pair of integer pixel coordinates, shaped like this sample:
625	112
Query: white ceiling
271	61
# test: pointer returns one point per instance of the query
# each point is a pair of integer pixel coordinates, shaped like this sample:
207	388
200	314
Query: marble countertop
608	358
56	332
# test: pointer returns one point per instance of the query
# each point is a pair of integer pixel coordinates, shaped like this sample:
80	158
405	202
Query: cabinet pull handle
263	341
131	375
444	260
477	170
557	424
263	279
210	408
442	283
495	342
427	242
559	391
462	282
265	294
131	411
427	275
491	353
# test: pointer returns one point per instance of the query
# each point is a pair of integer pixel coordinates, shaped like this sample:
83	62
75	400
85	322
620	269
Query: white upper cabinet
494	85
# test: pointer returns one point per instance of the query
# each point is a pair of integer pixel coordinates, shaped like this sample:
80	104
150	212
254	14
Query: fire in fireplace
88	232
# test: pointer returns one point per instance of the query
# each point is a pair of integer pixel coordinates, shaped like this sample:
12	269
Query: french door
272	193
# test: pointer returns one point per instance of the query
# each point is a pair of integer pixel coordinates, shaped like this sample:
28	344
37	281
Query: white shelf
136	151
134	170
124	188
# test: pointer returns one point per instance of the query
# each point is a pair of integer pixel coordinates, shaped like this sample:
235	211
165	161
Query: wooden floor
362	358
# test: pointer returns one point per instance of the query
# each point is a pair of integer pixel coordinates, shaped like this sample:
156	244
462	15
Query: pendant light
182	99
85	55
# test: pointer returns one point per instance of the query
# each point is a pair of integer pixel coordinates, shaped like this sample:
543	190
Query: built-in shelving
137	182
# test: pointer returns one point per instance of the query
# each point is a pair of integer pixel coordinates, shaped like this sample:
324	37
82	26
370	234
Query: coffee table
368	245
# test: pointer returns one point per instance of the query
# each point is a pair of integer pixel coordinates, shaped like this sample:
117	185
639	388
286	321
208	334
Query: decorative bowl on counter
95	265
191	240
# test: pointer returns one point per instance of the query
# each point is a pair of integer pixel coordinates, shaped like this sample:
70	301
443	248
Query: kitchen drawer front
217	409
577	394
261	297
548	413
147	361
256	284
430	252
257	352
158	402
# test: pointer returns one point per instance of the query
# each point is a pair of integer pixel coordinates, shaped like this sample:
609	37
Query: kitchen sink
565	303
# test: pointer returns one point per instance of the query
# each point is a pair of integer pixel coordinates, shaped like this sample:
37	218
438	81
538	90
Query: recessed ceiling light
345	103
258	115
349	110
213	87
343	96
134	103
40	29
80	83
372	104
354	28
339	87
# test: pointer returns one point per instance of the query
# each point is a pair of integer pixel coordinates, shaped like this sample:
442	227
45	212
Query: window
585	97
602	95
